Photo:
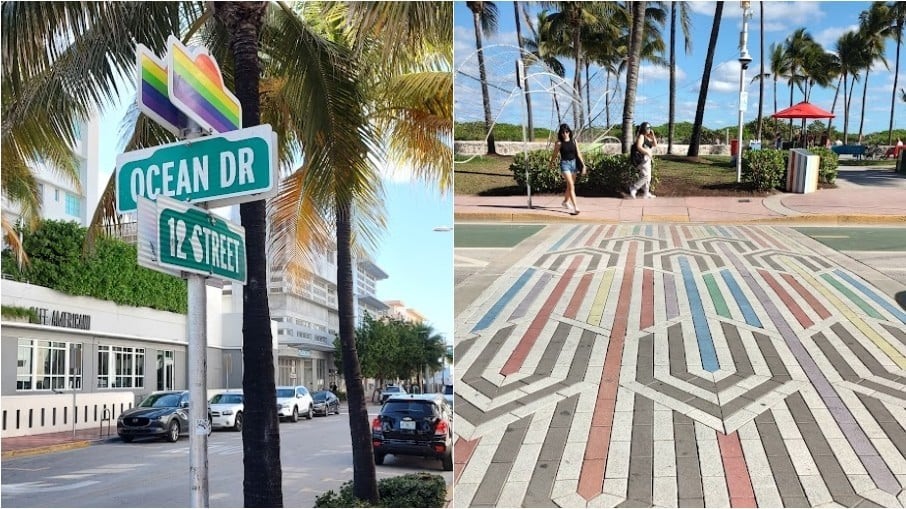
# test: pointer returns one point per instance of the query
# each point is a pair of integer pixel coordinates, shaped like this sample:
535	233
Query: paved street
315	455
680	365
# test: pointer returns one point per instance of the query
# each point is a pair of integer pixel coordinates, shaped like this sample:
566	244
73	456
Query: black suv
162	414
414	425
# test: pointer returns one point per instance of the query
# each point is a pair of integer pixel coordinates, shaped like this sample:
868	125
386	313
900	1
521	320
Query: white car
226	410
293	402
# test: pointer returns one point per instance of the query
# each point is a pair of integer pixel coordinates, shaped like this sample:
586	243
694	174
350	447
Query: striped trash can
802	171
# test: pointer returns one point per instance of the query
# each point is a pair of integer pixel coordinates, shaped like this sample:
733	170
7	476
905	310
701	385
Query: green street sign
234	167
195	240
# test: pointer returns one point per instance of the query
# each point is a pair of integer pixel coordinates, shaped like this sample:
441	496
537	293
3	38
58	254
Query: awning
803	110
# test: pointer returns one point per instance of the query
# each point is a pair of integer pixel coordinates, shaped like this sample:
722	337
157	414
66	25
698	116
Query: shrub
827	171
544	177
608	174
410	490
763	168
19	312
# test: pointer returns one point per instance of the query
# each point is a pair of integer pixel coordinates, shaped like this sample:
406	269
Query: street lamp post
520	77
744	60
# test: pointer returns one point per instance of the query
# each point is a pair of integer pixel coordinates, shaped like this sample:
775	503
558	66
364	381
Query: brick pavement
680	365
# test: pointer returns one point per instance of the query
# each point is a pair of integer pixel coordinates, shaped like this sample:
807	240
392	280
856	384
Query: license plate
407	424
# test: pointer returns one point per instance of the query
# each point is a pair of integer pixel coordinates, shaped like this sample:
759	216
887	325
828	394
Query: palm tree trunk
864	97
761	73
775	95
578	109
483	77
706	79
792	75
588	90
525	82
556	105
830	121
896	76
263	475
632	71
364	477
671	109
846	100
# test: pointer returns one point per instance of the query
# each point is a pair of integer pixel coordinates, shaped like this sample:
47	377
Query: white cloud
659	73
828	37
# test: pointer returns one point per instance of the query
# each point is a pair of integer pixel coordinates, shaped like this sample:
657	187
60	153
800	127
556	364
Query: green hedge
764	169
410	490
827	171
607	175
111	272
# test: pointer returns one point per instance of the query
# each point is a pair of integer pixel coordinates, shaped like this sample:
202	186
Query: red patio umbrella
803	110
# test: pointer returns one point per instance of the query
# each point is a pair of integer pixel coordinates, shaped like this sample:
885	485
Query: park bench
854	150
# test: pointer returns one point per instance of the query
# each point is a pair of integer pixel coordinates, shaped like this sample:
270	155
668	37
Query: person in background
570	160
778	142
645	141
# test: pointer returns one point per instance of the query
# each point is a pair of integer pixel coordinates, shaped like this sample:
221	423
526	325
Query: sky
825	21
417	259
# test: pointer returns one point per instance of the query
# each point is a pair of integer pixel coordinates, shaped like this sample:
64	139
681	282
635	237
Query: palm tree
686	24
570	22
897	17
262	482
484	15
636	39
525	82
849	51
695	139
874	27
798	50
544	46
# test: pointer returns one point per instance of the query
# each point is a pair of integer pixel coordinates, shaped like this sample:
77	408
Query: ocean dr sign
234	167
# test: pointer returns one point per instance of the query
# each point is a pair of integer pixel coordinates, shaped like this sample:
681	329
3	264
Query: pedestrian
333	388
645	141
570	163
778	142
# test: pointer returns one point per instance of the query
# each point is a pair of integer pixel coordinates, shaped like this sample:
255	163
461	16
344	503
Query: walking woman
570	160
645	141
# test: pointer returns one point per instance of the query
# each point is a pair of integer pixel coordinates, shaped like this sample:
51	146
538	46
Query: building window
166	370
48	365
56	195
120	367
73	205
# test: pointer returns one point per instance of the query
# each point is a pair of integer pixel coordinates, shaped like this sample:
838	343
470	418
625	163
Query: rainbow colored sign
153	94
196	87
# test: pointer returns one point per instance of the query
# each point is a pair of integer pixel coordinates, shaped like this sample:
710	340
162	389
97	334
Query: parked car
293	402
391	390
414	425
227	409
162	414
325	403
448	394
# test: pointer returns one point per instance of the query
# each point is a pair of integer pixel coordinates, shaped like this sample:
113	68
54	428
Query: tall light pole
744	60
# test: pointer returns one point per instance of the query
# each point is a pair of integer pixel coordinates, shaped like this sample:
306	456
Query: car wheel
126	439
173	431
237	425
310	413
448	462
378	459
295	416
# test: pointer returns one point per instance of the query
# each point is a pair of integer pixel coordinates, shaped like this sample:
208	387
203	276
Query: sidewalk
31	445
863	195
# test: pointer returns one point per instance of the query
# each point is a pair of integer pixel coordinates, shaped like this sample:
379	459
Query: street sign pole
197	335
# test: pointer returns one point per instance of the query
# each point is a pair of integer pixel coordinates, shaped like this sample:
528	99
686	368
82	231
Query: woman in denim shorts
568	151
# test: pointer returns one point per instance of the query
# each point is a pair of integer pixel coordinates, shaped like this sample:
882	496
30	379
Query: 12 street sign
195	240
234	167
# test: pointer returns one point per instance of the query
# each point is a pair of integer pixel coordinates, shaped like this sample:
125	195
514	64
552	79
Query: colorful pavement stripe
765	377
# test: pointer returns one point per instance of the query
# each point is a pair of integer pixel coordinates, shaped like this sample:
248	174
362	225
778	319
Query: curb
45	449
827	219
